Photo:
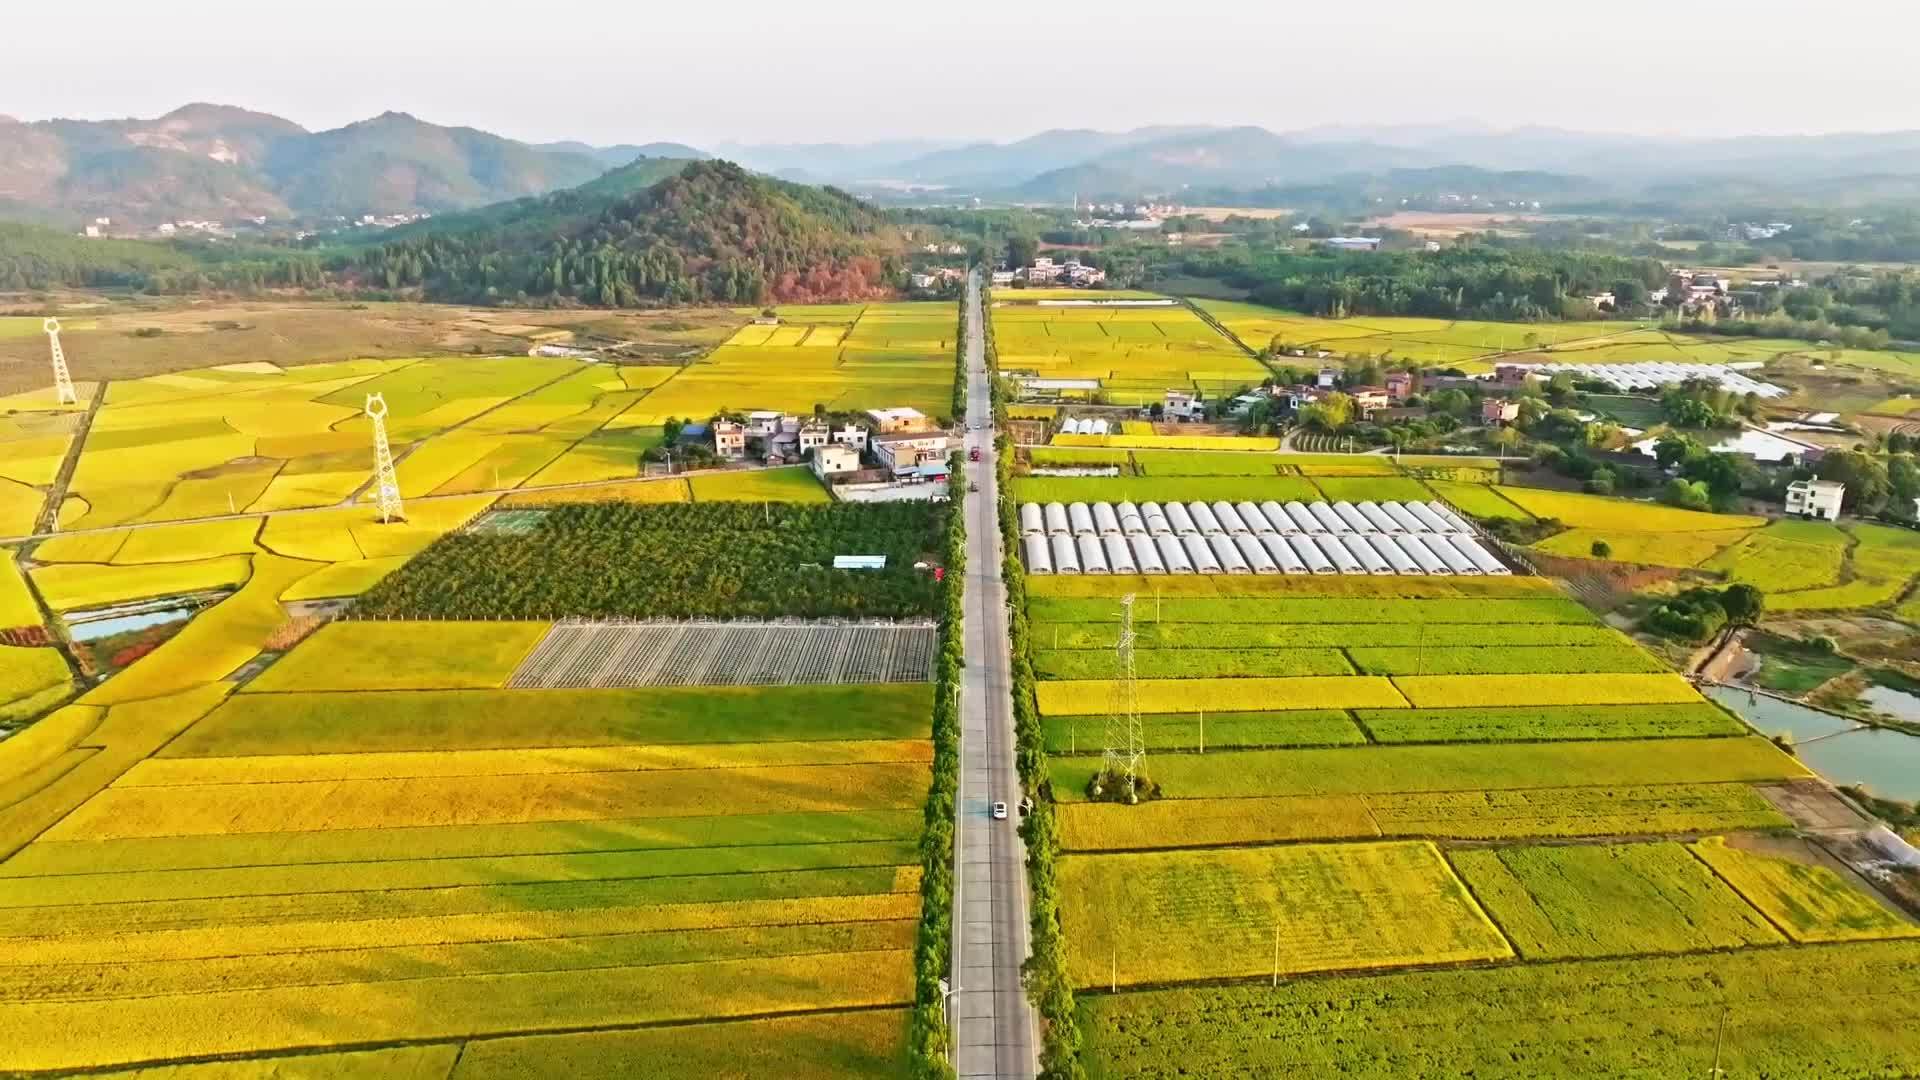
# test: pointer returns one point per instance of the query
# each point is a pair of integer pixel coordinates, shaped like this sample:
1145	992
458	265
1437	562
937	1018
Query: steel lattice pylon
62	379
1126	749
385	481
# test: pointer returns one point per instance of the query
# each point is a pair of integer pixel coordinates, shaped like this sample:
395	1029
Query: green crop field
1179	916
1774	1012
1609	900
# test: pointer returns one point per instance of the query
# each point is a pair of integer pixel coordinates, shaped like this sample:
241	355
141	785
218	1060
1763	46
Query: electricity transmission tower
386	482
62	379
1126	749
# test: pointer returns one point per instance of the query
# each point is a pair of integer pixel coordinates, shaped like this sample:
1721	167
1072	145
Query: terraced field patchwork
1192	663
1175	916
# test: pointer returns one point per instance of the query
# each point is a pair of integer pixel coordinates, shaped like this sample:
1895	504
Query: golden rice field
467	894
258	438
842	357
1136	353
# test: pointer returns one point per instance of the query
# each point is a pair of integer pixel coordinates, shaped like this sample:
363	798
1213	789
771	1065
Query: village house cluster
897	444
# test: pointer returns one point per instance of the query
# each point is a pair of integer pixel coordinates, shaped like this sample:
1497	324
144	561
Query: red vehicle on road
974	454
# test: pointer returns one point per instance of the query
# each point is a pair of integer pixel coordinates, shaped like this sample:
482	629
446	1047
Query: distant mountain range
222	163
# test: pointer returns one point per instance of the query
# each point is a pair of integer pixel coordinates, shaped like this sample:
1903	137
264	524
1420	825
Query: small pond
1895	703
1887	762
93	629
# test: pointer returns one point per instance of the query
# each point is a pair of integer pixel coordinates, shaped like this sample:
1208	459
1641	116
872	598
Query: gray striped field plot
598	654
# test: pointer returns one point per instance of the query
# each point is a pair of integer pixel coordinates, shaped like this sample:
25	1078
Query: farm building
1816	498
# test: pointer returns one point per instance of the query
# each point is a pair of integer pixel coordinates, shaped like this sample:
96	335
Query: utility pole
1719	1037
62	378
1276	956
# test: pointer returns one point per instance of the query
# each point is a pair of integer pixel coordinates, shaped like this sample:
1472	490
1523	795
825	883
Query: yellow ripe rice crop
870	1043
1467	691
393	1063
127	945
67	586
1069	698
1809	901
1601	512
227	884
399	765
1106	826
31	679
1676	549
1176	916
349	578
404	656
188	542
85	547
19	508
16	603
359	804
451	1007
215	643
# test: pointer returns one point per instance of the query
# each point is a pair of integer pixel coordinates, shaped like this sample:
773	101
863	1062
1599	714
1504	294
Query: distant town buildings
1045	271
1352	243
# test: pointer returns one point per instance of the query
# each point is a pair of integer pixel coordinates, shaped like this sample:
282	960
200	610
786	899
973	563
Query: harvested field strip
651	654
1504	660
1527	723
364	722
216	912
1214	635
1453	767
457	842
1807	901
1469	691
1598	1018
1172	916
203	883
251	1021
1185	731
1616	810
1191	663
1609	900
375	966
281	769
1067	698
1538	609
867	1043
132	945
357	804
404	656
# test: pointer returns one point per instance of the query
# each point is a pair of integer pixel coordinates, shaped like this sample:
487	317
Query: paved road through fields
994	1032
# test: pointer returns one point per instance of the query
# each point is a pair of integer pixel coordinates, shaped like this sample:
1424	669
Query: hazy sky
704	72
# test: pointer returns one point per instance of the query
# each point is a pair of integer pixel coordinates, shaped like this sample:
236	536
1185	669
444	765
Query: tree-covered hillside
711	233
